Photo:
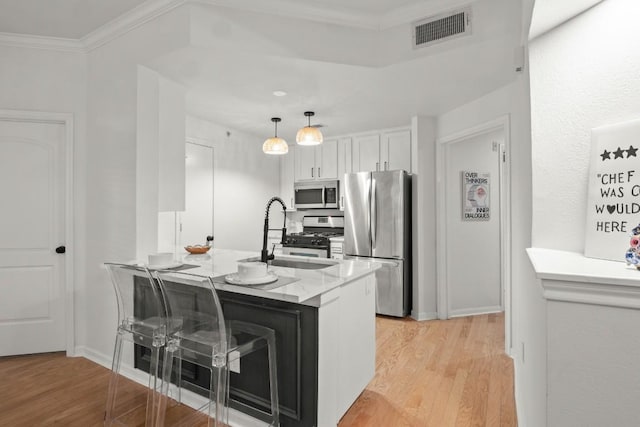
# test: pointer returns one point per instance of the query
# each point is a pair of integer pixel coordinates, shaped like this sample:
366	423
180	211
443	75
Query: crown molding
40	42
136	17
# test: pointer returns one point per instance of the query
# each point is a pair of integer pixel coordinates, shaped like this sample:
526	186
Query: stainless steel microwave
316	195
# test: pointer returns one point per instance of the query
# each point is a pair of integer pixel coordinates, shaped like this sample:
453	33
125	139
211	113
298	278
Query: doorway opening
473	223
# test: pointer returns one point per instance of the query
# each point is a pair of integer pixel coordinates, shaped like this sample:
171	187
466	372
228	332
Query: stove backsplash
294	219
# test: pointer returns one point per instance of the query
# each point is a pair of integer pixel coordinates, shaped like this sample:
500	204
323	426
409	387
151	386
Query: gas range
314	238
309	239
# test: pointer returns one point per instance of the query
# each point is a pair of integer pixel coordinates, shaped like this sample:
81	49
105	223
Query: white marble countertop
552	264
308	287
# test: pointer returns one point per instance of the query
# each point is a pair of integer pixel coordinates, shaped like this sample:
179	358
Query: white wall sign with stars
613	207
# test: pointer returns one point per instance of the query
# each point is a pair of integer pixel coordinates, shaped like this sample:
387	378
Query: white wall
111	163
196	222
423	207
52	81
593	365
584	74
244	180
160	154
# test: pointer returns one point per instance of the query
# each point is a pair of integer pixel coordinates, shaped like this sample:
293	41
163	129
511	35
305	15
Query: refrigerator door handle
374	220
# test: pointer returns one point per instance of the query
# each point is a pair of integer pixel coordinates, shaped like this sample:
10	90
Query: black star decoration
606	155
618	153
631	151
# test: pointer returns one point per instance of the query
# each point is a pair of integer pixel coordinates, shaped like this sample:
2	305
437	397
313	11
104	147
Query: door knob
61	249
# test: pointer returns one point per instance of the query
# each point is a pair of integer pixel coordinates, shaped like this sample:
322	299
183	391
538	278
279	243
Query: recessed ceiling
381	83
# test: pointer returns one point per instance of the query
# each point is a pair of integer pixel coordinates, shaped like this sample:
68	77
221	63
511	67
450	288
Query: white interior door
32	190
196	222
473	258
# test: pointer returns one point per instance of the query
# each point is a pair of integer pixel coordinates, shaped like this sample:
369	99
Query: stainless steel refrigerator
378	227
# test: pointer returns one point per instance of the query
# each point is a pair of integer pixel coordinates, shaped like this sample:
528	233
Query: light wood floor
435	373
438	373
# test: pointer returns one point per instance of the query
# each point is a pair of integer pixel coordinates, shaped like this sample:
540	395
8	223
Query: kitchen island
324	319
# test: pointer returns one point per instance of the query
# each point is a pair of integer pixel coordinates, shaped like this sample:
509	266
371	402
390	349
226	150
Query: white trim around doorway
66	119
444	311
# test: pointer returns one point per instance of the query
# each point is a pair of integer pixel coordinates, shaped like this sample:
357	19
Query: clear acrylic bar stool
142	321
206	339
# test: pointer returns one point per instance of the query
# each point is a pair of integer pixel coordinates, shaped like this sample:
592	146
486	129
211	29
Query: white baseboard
428	315
94	356
194	400
475	311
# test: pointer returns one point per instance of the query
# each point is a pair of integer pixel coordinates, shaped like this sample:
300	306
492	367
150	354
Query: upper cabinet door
305	163
327	159
366	153
396	151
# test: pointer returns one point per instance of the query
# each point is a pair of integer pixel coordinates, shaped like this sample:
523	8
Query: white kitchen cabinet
366	153
305	163
317	162
328	153
382	151
346	347
287	174
345	165
395	151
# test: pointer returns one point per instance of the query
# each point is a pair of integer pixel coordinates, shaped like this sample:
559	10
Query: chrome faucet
264	255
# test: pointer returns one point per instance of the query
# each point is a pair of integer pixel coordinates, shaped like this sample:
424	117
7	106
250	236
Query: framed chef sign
475	196
613	206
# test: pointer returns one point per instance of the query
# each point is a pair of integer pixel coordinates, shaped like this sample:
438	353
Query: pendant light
275	145
309	135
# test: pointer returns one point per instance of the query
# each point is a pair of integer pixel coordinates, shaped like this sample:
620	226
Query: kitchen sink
303	265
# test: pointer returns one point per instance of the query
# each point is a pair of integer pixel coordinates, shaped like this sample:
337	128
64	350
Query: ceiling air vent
442	27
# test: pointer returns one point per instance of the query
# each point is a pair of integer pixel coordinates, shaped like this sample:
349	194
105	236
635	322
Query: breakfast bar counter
298	285
324	320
